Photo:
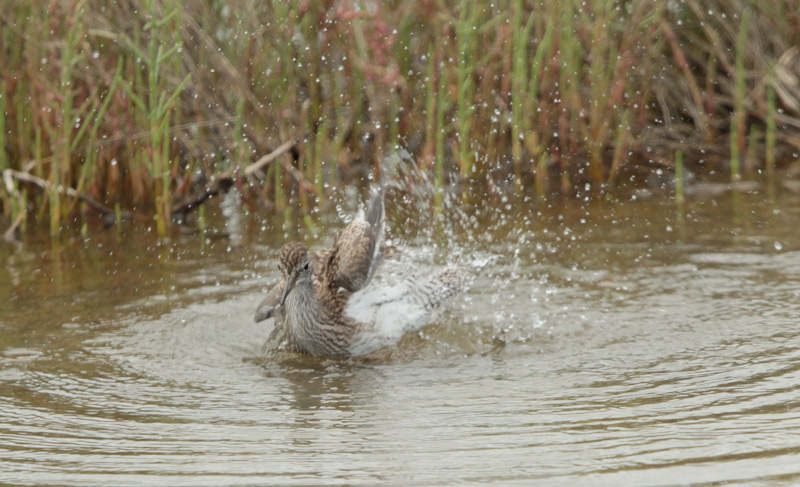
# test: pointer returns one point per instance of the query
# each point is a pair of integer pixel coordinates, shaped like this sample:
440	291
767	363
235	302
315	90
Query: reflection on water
600	344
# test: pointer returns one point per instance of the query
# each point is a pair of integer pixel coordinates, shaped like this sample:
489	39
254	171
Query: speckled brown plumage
356	261
311	303
314	316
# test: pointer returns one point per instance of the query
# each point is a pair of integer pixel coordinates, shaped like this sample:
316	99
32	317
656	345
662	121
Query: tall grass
141	103
680	200
158	104
467	54
4	164
769	157
439	138
738	126
519	75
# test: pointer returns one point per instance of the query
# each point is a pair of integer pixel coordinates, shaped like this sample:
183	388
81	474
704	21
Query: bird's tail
432	292
402	309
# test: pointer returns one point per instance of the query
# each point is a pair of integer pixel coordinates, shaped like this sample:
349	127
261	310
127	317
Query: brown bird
327	307
359	257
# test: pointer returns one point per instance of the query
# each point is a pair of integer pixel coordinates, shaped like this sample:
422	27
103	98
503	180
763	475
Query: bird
361	254
326	303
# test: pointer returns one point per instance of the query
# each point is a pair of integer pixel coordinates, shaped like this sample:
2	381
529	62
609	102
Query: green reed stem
679	198
600	72
569	86
734	143
430	110
3	143
752	146
319	150
620	146
542	159
61	174
118	217
680	202
738	121
519	85
769	159
38	170
466	50
536	65
24	210
238	135
441	109
201	218
280	196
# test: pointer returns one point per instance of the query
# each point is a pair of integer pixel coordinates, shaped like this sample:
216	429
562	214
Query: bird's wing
266	309
360	247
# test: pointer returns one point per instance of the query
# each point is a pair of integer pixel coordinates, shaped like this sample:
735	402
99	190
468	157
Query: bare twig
45	185
267	159
223	181
272	156
219	184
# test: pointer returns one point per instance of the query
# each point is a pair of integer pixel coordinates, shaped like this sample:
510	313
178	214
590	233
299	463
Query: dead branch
220	184
267	159
223	181
24	177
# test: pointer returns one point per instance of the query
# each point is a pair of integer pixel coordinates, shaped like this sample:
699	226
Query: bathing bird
327	304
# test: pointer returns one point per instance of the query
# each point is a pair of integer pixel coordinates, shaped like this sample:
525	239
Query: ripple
635	361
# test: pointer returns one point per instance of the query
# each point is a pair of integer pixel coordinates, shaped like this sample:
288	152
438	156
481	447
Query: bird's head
295	265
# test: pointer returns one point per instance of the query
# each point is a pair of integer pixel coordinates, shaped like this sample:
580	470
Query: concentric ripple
626	355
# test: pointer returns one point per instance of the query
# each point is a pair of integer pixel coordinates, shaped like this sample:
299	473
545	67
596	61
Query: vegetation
146	108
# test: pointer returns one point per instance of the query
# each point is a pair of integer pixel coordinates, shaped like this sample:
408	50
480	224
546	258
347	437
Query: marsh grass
4	163
680	200
738	126
141	103
467	54
769	156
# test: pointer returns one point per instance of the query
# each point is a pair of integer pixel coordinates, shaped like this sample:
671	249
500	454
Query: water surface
603	343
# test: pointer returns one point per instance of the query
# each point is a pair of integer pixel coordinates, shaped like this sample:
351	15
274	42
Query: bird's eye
279	268
305	267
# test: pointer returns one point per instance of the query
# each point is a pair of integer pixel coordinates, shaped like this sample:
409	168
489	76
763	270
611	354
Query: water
602	344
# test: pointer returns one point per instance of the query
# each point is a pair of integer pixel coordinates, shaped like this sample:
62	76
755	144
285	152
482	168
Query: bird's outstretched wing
360	247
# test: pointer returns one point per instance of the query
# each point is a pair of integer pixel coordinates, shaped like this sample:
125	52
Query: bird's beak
287	289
